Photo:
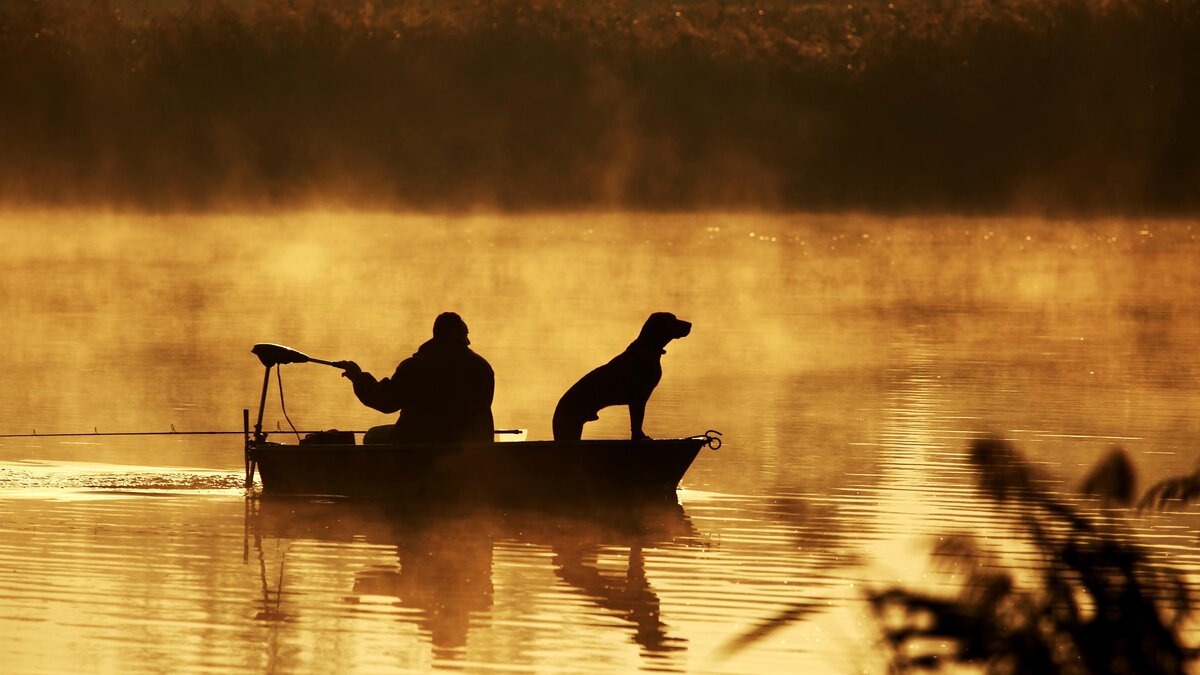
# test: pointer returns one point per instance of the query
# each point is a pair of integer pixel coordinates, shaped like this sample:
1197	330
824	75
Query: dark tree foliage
985	105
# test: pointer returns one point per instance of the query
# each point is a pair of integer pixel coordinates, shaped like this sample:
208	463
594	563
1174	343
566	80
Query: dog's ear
658	323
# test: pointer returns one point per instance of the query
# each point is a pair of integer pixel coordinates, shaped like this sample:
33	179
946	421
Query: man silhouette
443	391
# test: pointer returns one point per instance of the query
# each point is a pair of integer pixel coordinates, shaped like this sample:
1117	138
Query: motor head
272	354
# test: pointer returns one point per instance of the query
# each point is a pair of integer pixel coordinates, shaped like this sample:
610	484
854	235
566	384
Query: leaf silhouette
1180	489
1113	479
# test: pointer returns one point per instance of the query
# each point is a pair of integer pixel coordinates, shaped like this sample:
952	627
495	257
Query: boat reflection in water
442	575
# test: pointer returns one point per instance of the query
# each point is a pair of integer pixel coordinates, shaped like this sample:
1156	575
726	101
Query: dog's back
622	380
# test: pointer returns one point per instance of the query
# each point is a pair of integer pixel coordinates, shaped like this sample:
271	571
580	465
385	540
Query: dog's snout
685	327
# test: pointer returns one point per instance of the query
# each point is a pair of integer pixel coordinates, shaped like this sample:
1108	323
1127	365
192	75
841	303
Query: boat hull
525	471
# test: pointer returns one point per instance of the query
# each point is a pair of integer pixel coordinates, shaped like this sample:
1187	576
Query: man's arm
386	395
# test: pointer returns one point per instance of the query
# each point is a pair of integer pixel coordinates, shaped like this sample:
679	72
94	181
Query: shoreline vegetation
1047	106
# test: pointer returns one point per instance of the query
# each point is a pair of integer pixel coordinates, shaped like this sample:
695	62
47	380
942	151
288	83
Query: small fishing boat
646	523
511	471
518	471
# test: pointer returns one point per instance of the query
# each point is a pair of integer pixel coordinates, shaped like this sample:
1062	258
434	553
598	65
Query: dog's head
662	327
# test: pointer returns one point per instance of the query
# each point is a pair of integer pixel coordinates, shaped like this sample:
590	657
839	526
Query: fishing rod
82	434
35	434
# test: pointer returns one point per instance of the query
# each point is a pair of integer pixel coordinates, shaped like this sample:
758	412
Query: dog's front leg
637	413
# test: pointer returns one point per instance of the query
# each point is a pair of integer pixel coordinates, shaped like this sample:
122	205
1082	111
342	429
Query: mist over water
1067	105
848	360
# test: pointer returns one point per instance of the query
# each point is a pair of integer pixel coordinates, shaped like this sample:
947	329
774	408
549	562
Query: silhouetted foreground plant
1178	490
1097	605
1100	605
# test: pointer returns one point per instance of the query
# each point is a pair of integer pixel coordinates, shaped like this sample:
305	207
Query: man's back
447	395
443	392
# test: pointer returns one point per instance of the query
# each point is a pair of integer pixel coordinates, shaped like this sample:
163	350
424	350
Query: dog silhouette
628	379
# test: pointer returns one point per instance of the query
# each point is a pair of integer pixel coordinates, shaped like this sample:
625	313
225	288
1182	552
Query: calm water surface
848	360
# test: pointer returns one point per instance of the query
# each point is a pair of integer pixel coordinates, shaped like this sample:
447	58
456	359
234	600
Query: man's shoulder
479	360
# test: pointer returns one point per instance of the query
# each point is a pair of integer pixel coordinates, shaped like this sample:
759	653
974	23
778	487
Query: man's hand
349	368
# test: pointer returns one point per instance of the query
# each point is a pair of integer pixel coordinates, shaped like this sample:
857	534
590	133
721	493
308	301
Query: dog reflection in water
629	595
628	379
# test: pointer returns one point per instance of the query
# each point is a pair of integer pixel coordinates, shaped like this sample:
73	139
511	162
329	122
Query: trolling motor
270	355
273	354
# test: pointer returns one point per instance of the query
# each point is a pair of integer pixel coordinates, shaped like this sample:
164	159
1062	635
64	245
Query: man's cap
449	325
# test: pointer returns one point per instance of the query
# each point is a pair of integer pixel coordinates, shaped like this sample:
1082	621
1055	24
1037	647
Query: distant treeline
1059	105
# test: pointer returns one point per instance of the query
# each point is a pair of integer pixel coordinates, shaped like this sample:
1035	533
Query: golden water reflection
848	361
188	581
155	574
